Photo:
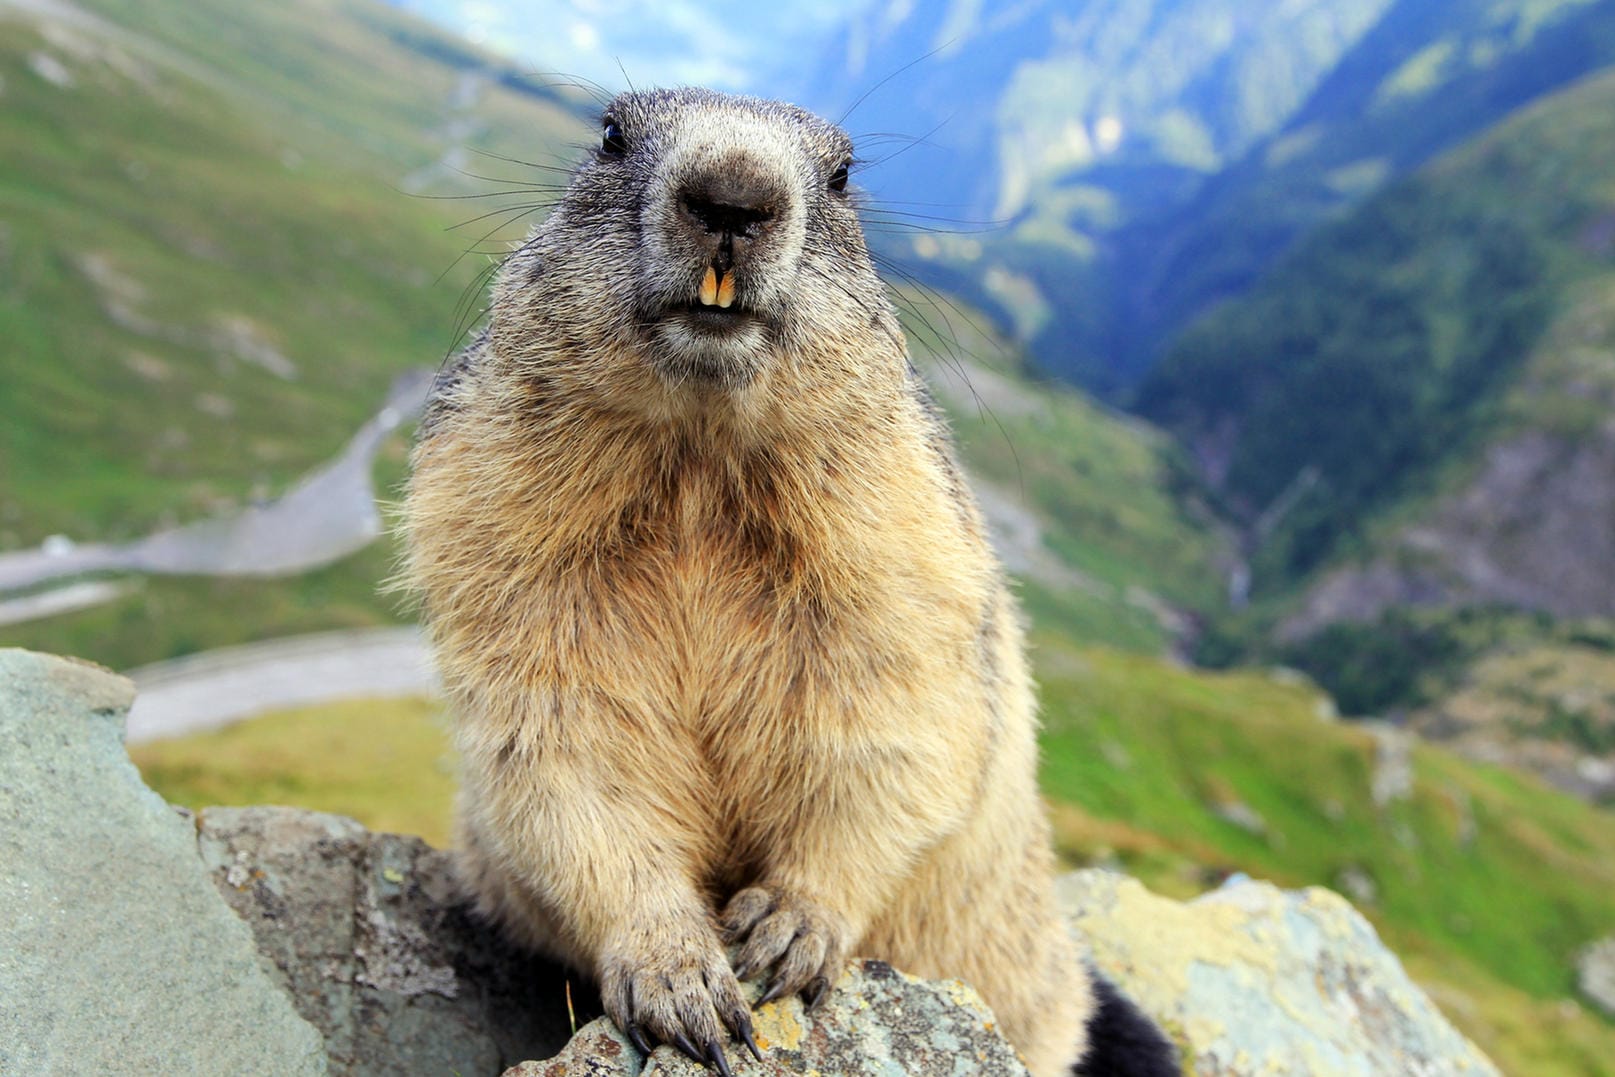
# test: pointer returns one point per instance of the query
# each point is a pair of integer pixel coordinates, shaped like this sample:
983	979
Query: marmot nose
726	215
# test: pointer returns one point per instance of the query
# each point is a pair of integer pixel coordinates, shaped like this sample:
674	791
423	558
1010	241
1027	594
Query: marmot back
734	668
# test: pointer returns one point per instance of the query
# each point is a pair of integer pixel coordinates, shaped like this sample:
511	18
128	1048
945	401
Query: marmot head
708	239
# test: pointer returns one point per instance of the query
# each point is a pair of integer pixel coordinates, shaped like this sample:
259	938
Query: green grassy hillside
386	763
1423	390
1124	540
1484	881
212	268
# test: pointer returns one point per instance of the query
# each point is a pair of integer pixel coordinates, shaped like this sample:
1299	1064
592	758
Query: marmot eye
838	179
611	139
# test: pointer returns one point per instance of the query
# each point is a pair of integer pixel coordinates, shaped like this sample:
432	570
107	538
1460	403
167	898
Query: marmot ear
838	178
611	137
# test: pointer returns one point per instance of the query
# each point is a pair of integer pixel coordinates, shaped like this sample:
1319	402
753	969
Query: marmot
733	665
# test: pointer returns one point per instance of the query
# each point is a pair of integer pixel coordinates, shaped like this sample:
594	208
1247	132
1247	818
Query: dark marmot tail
1122	1041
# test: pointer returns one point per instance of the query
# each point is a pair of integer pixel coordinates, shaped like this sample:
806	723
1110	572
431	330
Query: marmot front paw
804	942
679	991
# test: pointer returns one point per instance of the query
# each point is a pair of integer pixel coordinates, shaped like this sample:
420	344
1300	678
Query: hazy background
741	48
1279	339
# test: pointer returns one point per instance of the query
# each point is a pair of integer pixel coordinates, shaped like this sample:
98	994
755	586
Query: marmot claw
681	995
802	941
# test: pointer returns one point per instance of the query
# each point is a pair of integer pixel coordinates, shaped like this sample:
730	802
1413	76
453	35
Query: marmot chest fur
739	687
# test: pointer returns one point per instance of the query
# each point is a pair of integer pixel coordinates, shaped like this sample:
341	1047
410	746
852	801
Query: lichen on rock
878	1022
1253	980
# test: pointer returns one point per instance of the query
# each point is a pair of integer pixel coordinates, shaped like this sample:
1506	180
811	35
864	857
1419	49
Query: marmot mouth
719	321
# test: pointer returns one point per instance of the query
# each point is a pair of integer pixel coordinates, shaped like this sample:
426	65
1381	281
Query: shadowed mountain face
1038	131
1140	98
1425	78
1147	160
1444	346
1411	417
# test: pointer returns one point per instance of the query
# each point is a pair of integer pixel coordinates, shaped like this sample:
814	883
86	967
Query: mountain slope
1149	160
1425	78
1411	416
1136	95
1044	128
1398	351
211	270
1097	513
216	264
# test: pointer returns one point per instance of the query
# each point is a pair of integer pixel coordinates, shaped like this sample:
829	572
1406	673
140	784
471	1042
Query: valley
1436	433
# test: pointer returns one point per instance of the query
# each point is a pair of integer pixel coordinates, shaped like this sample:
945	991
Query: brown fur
730	654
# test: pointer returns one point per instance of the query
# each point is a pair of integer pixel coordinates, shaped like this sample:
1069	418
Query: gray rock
116	954
1595	974
1392	780
878	1022
1256	980
375	945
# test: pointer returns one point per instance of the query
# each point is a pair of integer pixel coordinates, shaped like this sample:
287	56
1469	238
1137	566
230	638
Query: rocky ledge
137	938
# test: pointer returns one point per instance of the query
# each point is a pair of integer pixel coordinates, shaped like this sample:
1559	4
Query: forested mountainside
1411	416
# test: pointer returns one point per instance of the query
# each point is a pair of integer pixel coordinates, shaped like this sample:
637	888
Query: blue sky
730	46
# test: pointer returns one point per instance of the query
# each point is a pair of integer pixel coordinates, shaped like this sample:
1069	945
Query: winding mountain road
219	687
329	514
